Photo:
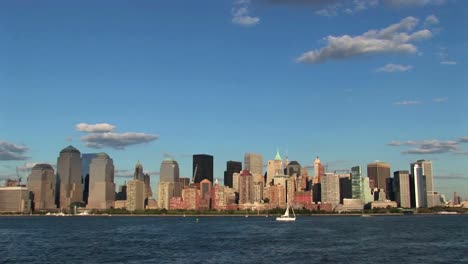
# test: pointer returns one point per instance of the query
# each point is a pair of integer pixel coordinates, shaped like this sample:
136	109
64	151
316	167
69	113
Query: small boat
447	213
286	217
366	215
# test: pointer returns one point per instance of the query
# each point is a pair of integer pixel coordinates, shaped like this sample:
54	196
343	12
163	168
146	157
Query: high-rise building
202	167
165	194
401	186
426	168
231	168
135	195
274	168
356	182
379	172
86	159
41	183
418	186
245	187
366	191
101	182
169	171
138	174
205	194
15	199
254	163
293	167
319	170
69	176
345	187
330	189
169	182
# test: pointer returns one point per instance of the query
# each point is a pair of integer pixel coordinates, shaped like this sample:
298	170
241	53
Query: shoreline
220	215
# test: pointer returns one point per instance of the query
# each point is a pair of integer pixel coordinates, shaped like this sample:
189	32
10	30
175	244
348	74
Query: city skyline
146	81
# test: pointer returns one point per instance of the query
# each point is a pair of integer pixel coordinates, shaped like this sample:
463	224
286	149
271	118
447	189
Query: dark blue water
319	239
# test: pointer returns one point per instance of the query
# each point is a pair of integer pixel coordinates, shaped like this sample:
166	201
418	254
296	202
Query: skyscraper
169	171
231	168
245	187
135	195
274	168
426	168
293	167
202	167
330	189
138	173
356	182
101	182
86	159
254	163
379	172
401	186
69	176
419	186
345	187
41	183
169	185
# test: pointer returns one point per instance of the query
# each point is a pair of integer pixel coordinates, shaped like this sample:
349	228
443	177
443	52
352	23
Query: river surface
314	239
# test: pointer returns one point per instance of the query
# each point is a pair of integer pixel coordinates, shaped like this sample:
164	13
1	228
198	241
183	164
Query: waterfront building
235	181
69	177
101	182
219	199
345	187
426	169
350	205
202	167
319	170
254	163
231	168
135	195
366	191
330	189
274	168
379	172
86	159
418	187
191	198
401	186
165	194
41	184
258	192
356	182
205	194
15	199
148	190
245	187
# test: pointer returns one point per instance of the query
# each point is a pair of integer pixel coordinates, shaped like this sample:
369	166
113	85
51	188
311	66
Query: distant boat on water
286	217
447	213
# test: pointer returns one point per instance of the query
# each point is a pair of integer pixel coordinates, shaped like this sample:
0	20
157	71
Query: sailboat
286	217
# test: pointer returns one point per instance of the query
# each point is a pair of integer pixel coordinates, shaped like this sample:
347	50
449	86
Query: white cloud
410	3
116	140
408	103
396	38
10	151
448	62
440	100
240	14
95	128
394	68
429	146
431	20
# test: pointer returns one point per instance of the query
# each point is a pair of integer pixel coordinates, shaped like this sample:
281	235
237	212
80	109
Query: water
317	239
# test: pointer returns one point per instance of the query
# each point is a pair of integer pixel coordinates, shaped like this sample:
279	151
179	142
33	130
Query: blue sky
350	81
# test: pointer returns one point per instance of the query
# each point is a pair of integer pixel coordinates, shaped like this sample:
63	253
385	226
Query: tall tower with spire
274	167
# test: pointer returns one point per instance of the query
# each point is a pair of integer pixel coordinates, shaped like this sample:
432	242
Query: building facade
101	183
231	168
41	183
379	172
401	186
69	177
202	167
254	163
